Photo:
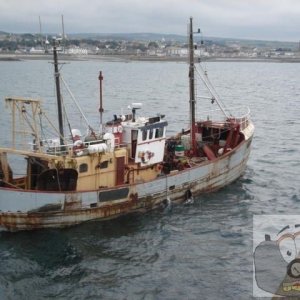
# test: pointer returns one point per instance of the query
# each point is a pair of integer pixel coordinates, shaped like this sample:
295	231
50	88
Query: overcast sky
254	19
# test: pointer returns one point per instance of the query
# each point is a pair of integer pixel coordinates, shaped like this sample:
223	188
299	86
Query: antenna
40	23
134	107
101	110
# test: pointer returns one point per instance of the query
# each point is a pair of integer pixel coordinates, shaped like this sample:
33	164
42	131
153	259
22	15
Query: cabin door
134	136
120	170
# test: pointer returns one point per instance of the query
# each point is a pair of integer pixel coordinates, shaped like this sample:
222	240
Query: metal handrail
213	115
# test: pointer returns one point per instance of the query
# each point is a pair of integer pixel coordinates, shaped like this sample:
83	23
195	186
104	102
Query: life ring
144	157
120	129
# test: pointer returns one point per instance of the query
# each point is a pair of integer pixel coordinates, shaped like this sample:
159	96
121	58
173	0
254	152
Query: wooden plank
4	166
30	153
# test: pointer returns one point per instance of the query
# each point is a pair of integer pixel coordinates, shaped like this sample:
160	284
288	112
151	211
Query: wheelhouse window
144	135
159	132
151	134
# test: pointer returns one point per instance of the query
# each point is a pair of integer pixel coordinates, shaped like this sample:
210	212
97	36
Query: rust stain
73	213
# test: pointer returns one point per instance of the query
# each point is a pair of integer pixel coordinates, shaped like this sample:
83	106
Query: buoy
179	150
78	147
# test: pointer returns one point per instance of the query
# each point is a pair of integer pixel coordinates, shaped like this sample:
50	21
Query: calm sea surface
199	251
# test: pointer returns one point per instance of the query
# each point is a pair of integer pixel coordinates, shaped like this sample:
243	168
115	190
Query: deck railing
239	115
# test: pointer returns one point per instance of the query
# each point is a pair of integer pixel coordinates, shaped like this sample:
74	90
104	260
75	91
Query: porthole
83	168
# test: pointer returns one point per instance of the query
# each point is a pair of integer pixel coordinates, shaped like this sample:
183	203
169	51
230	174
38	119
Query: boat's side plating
52	209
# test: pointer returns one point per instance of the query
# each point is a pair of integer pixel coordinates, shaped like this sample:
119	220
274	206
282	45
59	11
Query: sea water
199	251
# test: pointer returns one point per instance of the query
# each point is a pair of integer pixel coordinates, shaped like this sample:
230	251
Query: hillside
143	37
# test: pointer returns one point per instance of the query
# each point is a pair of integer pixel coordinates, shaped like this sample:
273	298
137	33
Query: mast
58	94
192	88
101	110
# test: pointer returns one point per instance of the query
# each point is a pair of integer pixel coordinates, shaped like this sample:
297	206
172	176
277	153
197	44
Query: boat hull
26	210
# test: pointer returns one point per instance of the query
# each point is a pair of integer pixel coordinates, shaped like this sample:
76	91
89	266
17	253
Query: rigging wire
76	103
43	135
58	180
202	47
210	88
67	119
25	119
51	124
212	91
44	130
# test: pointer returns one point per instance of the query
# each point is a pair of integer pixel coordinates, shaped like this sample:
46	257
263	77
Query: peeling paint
215	176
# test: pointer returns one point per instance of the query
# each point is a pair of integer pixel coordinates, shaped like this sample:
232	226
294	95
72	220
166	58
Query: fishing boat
128	165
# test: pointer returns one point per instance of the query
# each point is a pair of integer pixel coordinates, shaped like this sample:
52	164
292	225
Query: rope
211	89
67	119
58	181
76	103
51	124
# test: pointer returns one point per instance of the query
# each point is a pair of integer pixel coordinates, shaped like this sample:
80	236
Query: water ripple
199	251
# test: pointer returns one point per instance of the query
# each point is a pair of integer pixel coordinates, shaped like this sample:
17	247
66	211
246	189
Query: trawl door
120	170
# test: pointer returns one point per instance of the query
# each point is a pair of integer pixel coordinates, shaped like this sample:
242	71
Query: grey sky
254	19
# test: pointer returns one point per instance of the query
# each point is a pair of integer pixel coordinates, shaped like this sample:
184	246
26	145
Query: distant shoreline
128	58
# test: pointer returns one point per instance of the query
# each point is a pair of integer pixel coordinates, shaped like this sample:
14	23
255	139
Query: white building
77	51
